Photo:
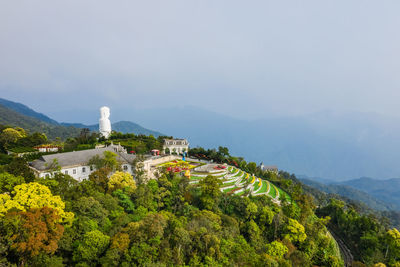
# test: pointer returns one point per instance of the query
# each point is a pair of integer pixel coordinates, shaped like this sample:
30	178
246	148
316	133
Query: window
125	168
74	171
83	169
66	172
91	168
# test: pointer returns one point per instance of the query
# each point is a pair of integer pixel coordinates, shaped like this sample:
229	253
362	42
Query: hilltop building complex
270	168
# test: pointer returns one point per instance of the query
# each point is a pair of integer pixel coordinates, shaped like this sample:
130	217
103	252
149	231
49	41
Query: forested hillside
25	110
13	118
352	193
113	219
387	191
163	222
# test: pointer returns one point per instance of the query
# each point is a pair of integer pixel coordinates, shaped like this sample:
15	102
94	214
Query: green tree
9	181
252	167
295	232
276	249
210	192
89	208
100	178
108	160
121	180
11	135
393	245
91	247
19	167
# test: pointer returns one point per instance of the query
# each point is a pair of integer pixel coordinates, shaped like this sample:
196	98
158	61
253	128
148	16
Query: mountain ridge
352	193
385	190
120	126
27	111
13	118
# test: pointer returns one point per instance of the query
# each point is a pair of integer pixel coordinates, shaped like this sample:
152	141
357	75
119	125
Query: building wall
48	149
81	173
178	148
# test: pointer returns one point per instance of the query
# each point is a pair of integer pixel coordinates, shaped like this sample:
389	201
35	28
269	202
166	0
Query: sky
246	59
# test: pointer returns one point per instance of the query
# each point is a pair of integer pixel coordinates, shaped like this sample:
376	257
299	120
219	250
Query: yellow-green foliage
121	180
295	231
11	135
33	195
276	249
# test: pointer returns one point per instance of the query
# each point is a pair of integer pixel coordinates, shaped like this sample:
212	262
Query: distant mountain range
353	194
24	110
387	191
337	146
121	126
11	117
377	194
17	114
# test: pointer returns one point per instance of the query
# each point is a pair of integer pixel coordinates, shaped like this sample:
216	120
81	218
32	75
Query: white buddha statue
104	122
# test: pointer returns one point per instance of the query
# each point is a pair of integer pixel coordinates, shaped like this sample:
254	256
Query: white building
178	146
270	168
76	164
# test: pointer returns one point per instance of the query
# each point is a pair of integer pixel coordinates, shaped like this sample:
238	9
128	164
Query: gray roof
78	158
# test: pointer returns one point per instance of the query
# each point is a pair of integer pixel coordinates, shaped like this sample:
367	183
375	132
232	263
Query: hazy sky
243	58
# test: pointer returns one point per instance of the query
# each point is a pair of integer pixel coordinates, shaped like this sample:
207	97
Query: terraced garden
235	181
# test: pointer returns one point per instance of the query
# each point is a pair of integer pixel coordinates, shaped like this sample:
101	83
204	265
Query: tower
104	122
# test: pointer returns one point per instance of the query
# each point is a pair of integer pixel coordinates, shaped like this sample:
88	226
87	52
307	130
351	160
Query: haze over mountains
330	145
377	194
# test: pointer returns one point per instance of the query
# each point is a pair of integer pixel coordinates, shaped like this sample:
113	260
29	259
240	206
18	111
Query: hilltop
219	215
13	118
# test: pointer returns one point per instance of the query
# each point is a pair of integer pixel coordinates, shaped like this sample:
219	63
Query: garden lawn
229	189
264	187
240	173
228	184
285	195
256	186
272	191
243	180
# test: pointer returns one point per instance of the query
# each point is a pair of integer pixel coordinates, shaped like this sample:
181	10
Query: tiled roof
78	158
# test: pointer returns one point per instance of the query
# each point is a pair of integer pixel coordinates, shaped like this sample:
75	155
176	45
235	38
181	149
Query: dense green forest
115	220
162	222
